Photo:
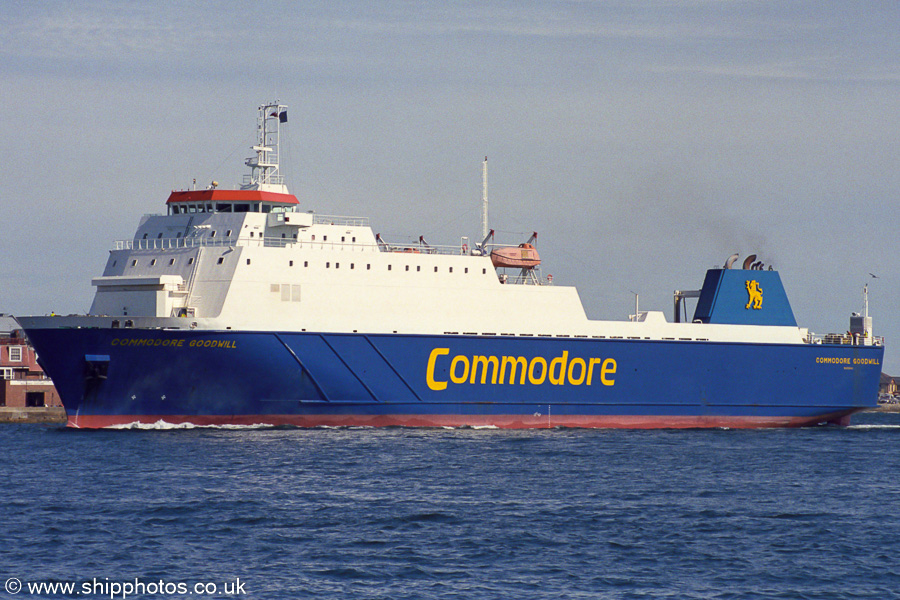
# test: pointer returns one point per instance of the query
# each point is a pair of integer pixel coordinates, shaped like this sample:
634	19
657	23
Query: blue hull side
117	376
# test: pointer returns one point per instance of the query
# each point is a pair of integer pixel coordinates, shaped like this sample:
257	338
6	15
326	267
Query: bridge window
223	207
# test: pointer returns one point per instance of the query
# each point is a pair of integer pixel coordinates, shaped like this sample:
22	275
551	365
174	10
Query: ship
239	307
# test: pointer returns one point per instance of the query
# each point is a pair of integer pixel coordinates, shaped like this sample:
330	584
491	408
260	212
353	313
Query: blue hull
118	376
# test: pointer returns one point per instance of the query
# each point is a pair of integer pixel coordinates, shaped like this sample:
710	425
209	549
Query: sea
171	512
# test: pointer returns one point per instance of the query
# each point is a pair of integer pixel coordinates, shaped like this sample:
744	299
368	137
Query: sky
644	141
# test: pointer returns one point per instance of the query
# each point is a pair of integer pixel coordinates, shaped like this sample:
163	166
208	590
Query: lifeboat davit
525	256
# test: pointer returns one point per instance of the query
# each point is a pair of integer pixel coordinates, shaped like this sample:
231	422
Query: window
145	236
342	238
435	269
290	263
221	260
153	263
337	265
451	269
418	268
324	238
178	235
353	240
407	267
212	234
248	261
191	260
134	263
6	373
368	267
251	234
352	265
327	265
484	271
467	269
159	237
114	262
305	263
389	267
228	233
171	261
15	354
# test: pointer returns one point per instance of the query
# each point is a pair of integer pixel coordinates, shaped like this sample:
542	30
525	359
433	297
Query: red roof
231	196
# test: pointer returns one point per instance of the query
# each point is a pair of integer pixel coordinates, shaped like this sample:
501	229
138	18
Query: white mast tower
264	174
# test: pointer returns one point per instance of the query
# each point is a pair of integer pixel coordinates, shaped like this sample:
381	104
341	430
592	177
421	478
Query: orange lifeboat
525	256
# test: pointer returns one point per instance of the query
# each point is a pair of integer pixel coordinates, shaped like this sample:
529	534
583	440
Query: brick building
24	384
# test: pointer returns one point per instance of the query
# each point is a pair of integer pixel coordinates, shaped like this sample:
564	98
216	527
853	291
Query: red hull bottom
499	421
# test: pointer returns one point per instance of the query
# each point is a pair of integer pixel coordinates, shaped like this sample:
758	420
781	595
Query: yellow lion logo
755	293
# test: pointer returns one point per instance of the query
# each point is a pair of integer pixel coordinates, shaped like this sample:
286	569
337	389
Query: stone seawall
55	414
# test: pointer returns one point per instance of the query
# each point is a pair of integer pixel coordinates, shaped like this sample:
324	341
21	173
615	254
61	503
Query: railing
174	243
278	242
339	220
843	339
423	249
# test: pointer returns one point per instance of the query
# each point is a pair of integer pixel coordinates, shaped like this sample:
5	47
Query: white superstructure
249	259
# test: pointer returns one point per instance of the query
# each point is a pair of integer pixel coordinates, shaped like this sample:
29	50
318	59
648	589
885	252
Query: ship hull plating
109	377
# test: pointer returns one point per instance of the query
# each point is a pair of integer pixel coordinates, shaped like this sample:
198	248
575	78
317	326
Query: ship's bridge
229	201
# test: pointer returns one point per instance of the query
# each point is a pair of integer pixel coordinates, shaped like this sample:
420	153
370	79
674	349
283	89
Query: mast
264	174
484	200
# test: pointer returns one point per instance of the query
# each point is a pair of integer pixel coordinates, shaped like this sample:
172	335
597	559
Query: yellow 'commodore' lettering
508	369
